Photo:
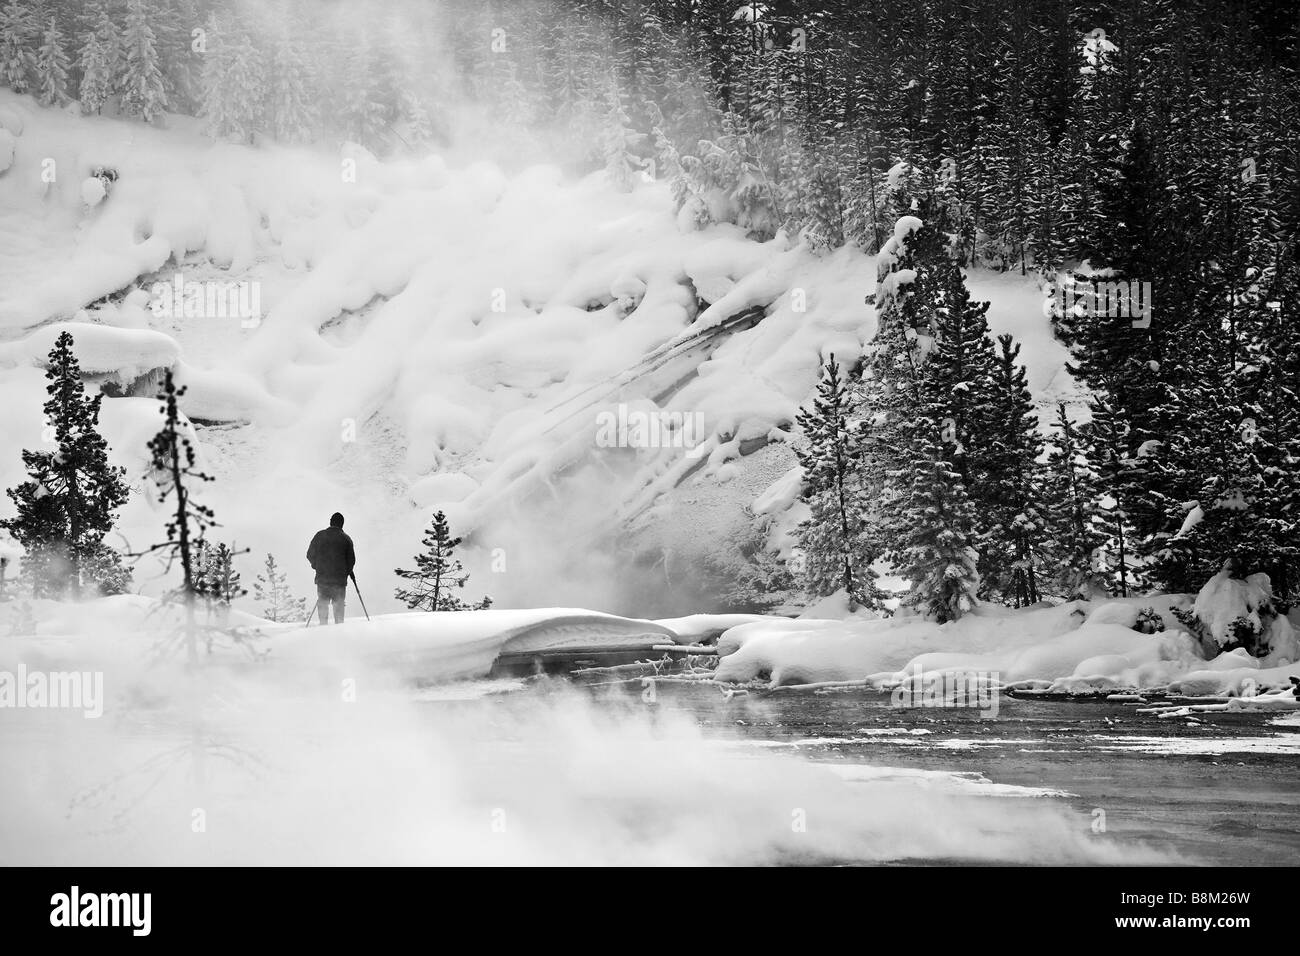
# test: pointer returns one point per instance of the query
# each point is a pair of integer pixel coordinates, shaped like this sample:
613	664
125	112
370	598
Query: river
1214	789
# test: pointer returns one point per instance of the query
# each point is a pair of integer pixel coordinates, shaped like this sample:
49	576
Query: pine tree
216	579
935	538
1010	500
174	465
618	139
289	106
927	390
1107	440
958	379
233	87
100	62
935	525
823	200
1068	497
51	68
271	591
72	494
438	574
363	112
837	548
1230	452
173	23
141	79
17	32
417	126
512	100
910	265
667	161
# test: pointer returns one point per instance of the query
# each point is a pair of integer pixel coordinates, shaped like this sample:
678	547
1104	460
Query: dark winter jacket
331	556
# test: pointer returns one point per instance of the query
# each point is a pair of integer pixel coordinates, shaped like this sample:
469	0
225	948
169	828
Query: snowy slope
431	335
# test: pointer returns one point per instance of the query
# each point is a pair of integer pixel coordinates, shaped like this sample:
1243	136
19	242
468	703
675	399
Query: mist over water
230	768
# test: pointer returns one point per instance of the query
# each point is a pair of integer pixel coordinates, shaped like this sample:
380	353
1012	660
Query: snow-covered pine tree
1010	495
392	60
618	141
50	68
512	100
173	22
823	196
17	33
667	161
1136	241
1106	440
71	496
642	35
274	599
416	124
563	75
1229	463
290	108
1068	502
1221	453
837	548
727	183
943	438
935	533
233	84
217	580
141	79
1003	217
1046	204
911	266
363	113
864	213
691	111
438	575
100	61
958	378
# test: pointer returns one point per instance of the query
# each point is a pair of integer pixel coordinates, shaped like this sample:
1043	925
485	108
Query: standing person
332	558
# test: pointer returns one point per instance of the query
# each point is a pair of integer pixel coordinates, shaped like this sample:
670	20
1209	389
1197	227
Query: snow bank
411	645
1074	648
700	628
1224	677
100	349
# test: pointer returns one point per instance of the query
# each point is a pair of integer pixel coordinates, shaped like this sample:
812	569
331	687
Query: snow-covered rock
93	191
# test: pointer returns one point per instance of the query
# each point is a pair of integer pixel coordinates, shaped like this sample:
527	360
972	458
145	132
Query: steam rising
542	776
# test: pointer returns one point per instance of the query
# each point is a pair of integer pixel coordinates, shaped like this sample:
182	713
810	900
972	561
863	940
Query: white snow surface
1078	647
123	632
441	333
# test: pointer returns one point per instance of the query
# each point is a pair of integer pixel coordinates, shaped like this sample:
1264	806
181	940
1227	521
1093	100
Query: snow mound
93	191
1224	601
126	354
1072	648
411	646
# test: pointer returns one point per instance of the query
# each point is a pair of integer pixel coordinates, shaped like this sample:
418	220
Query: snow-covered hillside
433	334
